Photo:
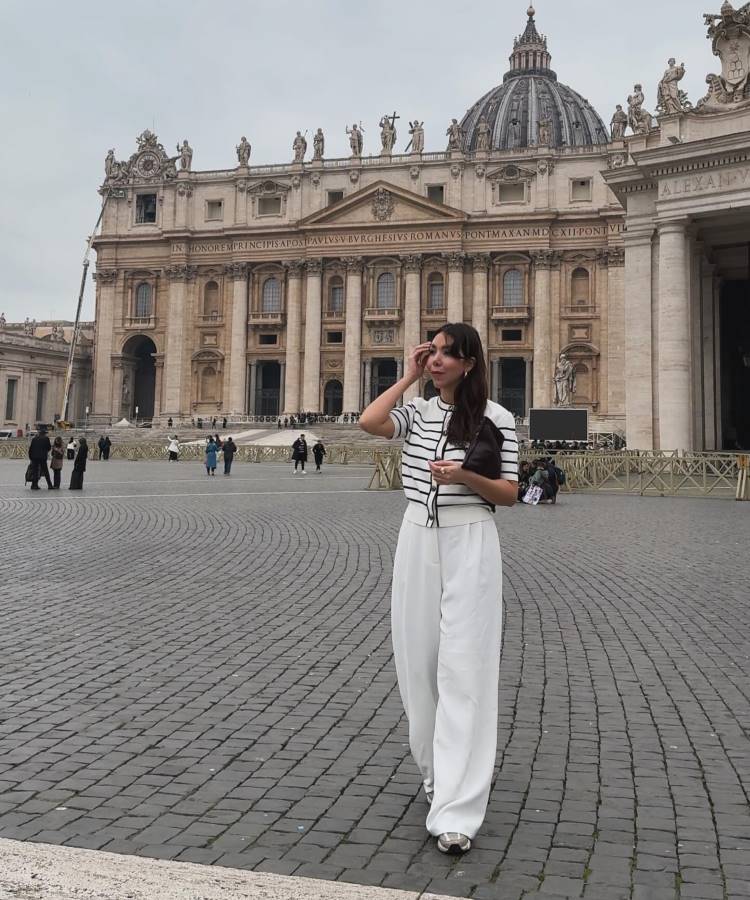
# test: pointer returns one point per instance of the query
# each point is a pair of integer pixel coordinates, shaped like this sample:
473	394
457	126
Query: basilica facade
270	290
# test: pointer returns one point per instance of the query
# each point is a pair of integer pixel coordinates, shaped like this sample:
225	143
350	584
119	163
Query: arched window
336	296
208	383
579	287
211	300
271	301
435	292
513	288
143	301
386	291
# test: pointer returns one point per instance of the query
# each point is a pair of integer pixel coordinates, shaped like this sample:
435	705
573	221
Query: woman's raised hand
416	362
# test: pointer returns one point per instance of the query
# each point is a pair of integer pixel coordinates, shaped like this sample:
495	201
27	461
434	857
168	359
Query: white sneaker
294	471
453	843
304	472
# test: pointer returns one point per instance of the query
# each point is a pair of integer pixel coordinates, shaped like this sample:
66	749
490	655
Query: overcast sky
81	76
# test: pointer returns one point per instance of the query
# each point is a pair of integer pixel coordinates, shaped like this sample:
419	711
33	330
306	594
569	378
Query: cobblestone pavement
199	669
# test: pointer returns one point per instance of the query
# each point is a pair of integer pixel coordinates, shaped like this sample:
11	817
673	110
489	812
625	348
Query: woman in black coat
79	466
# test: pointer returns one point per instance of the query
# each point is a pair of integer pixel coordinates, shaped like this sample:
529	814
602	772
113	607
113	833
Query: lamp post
86	420
136	417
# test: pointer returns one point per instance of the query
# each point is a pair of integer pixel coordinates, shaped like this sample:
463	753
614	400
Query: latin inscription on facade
705	184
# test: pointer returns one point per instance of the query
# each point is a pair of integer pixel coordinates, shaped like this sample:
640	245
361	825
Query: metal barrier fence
647	473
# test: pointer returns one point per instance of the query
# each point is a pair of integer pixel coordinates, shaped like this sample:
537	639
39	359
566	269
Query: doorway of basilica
735	365
384	375
139	378
512	393
268	389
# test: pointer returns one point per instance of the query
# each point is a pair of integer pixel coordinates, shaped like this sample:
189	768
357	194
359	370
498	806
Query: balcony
388	314
212	319
510	313
434	312
258	319
334	315
585	310
140	323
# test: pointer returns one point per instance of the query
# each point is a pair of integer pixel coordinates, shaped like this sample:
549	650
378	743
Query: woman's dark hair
57	442
471	393
82	443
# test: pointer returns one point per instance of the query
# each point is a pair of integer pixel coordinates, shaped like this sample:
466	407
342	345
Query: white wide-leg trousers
446	611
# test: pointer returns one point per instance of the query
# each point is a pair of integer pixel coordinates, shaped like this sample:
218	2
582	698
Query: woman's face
446	371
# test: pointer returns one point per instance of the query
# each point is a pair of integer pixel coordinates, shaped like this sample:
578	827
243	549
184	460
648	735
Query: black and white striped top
423	424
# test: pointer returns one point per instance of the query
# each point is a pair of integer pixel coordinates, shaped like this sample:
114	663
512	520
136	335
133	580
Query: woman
56	462
319	451
71	448
79	466
210	457
446	604
174	449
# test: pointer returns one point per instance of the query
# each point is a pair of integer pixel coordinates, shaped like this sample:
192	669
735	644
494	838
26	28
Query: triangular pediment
382	204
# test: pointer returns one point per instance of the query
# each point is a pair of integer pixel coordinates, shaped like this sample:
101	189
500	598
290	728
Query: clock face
148	165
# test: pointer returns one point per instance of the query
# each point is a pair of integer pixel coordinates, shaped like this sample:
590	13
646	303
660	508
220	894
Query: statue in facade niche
186	155
356	139
455	135
483	135
565	381
388	134
670	99
319	144
619	123
545	132
299	146
416	130
243	151
639	120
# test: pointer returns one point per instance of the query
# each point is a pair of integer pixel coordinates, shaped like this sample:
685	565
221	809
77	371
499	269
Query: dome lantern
530	53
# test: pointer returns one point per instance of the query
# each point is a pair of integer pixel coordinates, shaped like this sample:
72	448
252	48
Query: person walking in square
39	449
100	445
446	602
299	453
319	451
173	448
210	457
228	449
71	449
56	462
107	447
79	466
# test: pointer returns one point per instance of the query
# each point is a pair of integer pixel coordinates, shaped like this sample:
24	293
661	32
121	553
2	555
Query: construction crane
77	326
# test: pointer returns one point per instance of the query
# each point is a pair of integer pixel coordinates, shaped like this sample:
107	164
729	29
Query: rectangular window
431	333
214	209
268	339
335	337
512	334
10	399
145	209
512	193
580	189
436	193
335	196
41	393
269	206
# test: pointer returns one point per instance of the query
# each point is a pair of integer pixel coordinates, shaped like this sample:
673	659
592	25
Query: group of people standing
214	446
299	454
45	456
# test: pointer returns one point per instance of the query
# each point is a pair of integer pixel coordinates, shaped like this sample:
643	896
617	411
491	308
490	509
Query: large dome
530	94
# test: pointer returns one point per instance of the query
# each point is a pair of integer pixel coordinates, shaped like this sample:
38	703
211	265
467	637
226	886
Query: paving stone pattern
199	669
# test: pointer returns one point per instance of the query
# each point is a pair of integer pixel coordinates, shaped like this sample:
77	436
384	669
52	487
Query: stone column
158	381
311	374
253	386
479	312
105	303
368	382
455	287
412	318
293	337
675	424
238	273
615	332
353	336
639	417
174	360
544	261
